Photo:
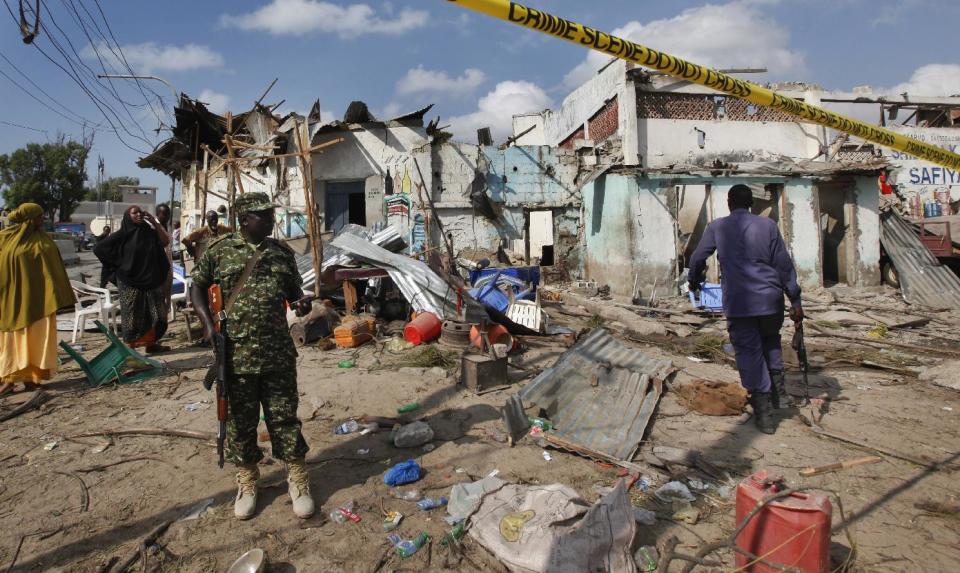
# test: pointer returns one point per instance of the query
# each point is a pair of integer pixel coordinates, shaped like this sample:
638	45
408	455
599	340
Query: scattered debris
413	435
714	398
610	419
815	471
548	528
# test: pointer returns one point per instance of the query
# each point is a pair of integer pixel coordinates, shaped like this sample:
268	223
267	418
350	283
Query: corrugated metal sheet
923	280
610	417
423	288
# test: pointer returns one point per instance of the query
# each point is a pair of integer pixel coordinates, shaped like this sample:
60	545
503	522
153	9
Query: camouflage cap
252	202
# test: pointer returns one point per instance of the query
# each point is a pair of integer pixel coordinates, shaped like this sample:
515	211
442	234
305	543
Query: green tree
48	174
110	189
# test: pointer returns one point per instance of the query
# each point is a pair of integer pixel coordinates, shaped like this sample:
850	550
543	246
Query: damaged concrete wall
516	180
380	159
629	230
865	269
665	142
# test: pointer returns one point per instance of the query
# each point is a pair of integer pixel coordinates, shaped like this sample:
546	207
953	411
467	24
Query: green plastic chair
116	359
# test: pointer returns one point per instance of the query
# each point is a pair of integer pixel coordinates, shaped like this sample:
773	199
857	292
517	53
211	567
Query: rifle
800	346
219	374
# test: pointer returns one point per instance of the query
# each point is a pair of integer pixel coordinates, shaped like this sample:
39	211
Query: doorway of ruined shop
345	203
538	234
699	203
835	201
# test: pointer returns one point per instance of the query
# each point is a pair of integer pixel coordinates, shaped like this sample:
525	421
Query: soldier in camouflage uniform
262	355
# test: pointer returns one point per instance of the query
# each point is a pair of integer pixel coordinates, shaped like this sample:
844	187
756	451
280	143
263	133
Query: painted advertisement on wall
921	181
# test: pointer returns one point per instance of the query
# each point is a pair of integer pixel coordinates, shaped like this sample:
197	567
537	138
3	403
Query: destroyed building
616	185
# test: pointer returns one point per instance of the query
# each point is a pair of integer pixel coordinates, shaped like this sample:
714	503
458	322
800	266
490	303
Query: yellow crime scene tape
684	70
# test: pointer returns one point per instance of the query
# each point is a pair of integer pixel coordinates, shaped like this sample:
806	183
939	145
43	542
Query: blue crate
711	298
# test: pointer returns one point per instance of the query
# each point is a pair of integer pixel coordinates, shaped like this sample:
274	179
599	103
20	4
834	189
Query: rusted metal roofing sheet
923	280
600	396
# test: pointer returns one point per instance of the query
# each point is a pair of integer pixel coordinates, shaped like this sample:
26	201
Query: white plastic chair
177	297
98	302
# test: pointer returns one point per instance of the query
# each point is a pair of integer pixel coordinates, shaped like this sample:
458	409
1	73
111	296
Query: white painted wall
525	121
665	142
804	240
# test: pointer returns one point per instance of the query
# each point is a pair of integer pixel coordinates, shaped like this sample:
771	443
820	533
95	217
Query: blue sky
400	55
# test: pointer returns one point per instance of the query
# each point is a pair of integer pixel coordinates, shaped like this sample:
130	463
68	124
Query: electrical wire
80	119
120	56
109	89
98	103
23	126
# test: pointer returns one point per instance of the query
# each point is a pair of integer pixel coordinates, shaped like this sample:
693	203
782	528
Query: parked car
77	232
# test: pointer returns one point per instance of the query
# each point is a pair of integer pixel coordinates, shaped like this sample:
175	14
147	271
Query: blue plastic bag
404	472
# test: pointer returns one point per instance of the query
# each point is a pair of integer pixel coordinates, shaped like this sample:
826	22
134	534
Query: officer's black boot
763	411
778	390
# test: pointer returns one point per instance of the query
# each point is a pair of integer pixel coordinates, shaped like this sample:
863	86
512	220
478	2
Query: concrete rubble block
413	435
944	375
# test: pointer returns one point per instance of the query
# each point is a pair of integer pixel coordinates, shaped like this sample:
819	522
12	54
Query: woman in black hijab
135	260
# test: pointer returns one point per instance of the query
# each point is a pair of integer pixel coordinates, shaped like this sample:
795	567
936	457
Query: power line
84	121
24	126
120	56
109	89
43	103
74	75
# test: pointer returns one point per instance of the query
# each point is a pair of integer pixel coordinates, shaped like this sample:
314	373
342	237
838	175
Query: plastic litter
429	503
547	456
407	547
674	490
363	451
683	511
454	534
409	495
412	406
346	364
348	427
413	435
697	484
49	446
392	520
644	483
404	472
644	516
646	558
344	513
194	406
541	423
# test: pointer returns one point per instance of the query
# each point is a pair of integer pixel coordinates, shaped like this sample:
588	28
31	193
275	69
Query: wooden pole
306	173
231	186
206	181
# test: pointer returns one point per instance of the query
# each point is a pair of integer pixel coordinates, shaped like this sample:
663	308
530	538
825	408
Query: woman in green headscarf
33	285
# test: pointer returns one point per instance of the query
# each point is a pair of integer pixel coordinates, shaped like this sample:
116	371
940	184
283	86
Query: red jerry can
792	531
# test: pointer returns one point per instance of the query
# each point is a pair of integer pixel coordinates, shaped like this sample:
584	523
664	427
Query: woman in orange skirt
33	285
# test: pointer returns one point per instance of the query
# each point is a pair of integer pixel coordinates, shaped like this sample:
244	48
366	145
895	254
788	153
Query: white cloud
930	80
496	109
299	17
736	34
150	57
216	102
421	80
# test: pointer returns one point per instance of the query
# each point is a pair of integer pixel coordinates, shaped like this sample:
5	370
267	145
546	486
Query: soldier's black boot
762	403
778	391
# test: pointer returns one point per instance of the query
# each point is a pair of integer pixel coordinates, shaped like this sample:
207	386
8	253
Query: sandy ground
74	503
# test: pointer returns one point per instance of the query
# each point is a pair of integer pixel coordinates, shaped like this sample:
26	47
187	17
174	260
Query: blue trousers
756	342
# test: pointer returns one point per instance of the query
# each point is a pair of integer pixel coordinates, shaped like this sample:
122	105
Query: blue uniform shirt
755	267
